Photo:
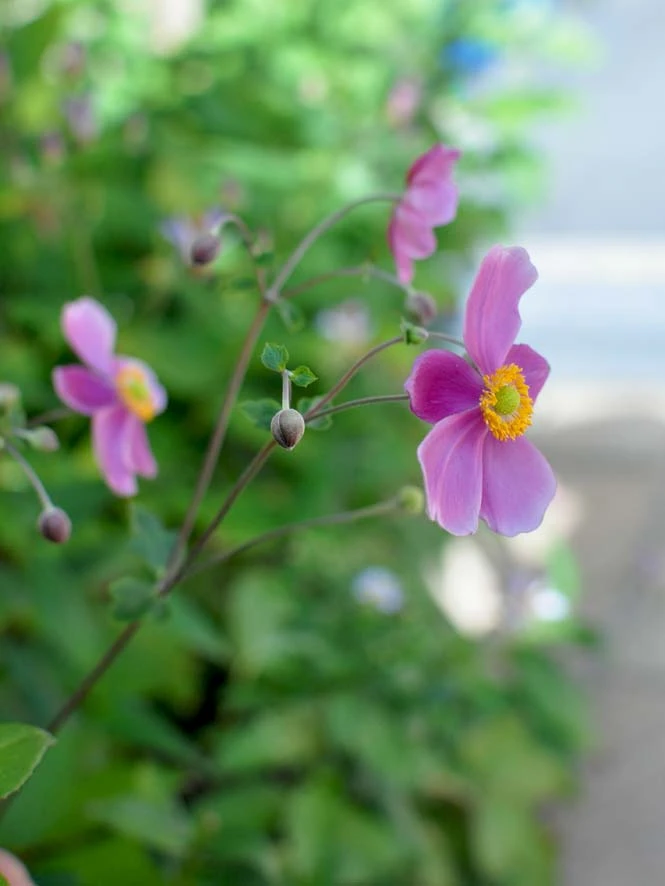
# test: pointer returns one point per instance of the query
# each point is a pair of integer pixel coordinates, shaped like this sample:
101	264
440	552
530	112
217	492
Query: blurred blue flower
380	588
469	56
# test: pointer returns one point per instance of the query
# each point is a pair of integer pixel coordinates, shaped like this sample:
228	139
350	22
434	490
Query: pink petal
440	384
434	202
138	456
518	485
110	429
13	871
81	389
90	331
451	459
437	163
492	320
535	368
414	235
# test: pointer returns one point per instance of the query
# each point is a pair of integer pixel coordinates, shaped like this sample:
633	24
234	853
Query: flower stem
294	259
366	270
362	401
384	507
286	390
30	473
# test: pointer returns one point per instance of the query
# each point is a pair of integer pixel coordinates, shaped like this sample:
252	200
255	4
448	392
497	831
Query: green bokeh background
269	729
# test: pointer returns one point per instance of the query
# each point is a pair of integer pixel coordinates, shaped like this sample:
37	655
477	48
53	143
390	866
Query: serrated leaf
21	749
413	335
131	597
302	376
290	314
316	424
260	412
274	357
152	542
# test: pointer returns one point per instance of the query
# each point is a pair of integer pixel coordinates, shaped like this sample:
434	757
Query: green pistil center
507	400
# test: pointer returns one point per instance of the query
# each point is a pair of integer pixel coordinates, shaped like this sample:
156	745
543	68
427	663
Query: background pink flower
476	462
430	200
13	870
120	395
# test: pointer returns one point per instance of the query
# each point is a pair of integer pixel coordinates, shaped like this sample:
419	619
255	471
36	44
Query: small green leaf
152	542
413	335
274	357
290	314
131	597
21	749
317	424
302	376
260	412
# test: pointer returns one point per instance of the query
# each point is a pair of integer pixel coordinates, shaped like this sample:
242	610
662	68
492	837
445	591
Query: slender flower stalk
30	473
361	401
366	270
379	509
330	221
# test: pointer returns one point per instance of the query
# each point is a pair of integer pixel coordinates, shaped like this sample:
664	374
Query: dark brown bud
54	525
287	428
422	307
205	249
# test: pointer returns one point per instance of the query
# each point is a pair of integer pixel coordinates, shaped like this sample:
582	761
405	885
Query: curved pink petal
451	459
110	436
81	389
13	871
518	485
414	236
440	384
492	319
403	263
434	202
437	163
138	456
90	331
535	368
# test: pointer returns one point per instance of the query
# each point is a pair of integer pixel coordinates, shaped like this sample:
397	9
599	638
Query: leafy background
270	728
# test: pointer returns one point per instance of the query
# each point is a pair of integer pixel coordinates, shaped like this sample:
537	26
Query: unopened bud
287	427
9	395
42	439
54	525
411	500
422	307
205	249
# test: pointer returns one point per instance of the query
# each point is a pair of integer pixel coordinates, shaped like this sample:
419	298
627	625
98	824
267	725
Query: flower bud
410	500
205	249
9	396
422	307
42	439
54	525
287	427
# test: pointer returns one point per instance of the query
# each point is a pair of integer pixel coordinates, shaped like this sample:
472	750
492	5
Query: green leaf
152	542
21	749
413	335
260	412
290	314
274	357
132	598
161	825
317	424
302	376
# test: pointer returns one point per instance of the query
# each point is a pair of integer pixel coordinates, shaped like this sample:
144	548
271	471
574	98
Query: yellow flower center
133	389
505	403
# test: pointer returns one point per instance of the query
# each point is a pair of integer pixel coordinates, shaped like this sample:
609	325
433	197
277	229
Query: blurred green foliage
269	728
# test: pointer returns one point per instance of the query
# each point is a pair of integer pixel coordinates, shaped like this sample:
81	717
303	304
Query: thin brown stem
361	401
357	271
48	417
30	473
296	256
376	510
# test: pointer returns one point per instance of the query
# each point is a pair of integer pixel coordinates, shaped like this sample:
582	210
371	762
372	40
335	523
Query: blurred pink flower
475	460
13	871
119	393
183	231
430	200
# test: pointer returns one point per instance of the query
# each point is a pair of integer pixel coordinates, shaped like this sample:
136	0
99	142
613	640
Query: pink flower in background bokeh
13	871
430	200
475	460
120	394
182	231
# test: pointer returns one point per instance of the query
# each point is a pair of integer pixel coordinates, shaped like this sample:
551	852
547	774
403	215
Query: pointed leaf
260	412
21	749
302	376
274	357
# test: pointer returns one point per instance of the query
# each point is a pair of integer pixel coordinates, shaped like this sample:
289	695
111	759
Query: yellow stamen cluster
505	403
133	389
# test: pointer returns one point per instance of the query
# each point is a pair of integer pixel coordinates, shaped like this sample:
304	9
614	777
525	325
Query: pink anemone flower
12	871
120	395
475	461
430	200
